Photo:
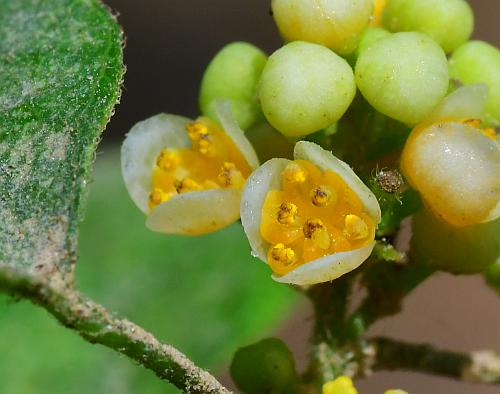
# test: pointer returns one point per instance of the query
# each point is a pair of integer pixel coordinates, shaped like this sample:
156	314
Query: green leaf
60	75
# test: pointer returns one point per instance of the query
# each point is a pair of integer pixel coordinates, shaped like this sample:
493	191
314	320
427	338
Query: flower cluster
309	216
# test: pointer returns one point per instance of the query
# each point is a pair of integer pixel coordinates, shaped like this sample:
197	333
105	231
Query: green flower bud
233	75
264	367
459	250
479	62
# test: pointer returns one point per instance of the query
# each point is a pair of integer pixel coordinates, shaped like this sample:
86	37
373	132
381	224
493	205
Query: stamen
287	213
168	160
294	173
200	137
476	123
490	133
281	254
317	232
186	185
230	176
196	130
355	227
322	196
158	196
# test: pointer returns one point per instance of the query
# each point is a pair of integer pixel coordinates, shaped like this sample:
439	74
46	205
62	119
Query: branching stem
477	367
96	325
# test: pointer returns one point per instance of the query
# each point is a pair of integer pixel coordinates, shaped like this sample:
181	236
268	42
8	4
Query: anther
294	173
281	254
355	227
186	185
287	213
197	130
167	160
230	176
317	232
158	196
322	196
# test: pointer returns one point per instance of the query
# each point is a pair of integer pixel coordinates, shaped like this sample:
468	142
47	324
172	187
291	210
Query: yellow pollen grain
317	232
230	176
186	185
490	133
293	173
476	123
287	213
168	159
158	196
281	254
355	227
196	130
322	196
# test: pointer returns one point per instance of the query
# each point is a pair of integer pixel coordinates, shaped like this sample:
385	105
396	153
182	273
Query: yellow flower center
314	214
213	161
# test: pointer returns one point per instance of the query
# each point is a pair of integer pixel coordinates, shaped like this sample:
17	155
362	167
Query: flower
453	162
311	219
187	176
341	385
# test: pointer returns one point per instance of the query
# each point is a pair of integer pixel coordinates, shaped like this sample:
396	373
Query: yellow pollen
186	185
287	213
490	133
476	123
168	160
355	227
230	176
201	138
317	232
281	254
322	196
293	173
158	196
197	130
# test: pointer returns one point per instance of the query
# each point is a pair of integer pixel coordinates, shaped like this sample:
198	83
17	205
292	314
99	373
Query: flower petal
197	212
230	126
327	268
263	179
141	148
325	160
466	102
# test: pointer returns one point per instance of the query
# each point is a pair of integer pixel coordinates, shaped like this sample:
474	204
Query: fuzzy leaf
60	75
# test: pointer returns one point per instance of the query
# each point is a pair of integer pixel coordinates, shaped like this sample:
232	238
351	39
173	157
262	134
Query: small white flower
187	176
311	219
455	163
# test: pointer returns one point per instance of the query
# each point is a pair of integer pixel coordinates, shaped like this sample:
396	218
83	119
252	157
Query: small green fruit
264	367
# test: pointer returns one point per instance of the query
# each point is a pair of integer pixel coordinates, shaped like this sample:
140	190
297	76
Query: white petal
327	268
325	160
467	102
230	126
266	177
197	212
141	148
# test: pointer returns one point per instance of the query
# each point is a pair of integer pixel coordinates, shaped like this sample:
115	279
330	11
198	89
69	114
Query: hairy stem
477	367
96	325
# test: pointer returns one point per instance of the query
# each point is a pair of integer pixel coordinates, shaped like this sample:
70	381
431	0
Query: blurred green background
206	295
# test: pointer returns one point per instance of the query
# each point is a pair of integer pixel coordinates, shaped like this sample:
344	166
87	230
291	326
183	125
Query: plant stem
96	325
477	367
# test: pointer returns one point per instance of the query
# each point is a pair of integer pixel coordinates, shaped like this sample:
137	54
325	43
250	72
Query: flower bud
454	163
